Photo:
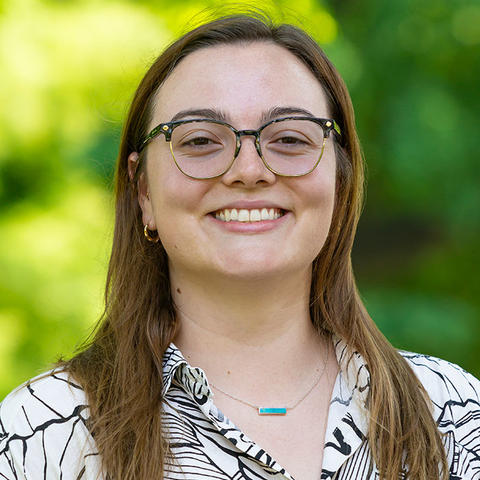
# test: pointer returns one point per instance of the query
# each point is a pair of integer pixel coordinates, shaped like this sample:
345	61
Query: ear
132	165
143	194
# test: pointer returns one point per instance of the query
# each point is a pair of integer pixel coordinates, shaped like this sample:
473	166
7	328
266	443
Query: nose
248	169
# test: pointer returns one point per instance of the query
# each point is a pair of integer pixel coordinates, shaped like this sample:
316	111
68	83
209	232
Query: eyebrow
209	113
214	114
276	112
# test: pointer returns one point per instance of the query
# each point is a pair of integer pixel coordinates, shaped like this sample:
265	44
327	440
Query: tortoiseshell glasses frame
328	125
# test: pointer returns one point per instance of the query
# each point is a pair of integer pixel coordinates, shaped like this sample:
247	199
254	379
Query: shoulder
44	429
445	382
54	390
455	396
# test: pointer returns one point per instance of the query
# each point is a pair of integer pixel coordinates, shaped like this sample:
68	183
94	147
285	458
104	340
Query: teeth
255	216
244	215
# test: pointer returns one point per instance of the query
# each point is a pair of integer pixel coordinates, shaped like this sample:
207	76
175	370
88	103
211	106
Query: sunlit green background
68	70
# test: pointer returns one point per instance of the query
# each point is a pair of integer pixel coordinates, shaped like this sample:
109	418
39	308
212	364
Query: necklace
276	410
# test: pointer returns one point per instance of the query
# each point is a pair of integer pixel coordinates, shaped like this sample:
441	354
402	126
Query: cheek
318	200
319	187
173	219
322	205
176	203
171	189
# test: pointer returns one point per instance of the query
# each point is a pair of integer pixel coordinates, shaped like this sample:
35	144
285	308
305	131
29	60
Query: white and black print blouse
44	433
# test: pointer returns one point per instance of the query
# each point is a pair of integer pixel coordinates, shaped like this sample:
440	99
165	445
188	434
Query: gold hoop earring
149	237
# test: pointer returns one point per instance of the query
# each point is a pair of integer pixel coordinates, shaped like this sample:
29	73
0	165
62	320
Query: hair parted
120	367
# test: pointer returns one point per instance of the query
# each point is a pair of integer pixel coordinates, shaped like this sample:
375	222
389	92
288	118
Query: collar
192	379
348	417
354	374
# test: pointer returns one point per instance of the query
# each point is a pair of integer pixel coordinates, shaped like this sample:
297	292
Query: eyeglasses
204	148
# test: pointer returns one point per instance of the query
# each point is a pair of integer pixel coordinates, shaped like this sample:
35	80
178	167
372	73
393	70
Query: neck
257	327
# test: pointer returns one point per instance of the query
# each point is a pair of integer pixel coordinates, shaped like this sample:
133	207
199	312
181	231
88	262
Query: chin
257	268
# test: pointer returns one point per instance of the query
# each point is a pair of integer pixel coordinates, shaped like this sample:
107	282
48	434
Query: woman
239	187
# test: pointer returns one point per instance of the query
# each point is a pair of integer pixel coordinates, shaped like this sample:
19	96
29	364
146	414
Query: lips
248	215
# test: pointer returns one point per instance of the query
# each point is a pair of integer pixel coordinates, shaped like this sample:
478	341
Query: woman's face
244	82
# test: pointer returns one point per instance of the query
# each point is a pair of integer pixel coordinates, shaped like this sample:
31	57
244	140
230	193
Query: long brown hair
121	366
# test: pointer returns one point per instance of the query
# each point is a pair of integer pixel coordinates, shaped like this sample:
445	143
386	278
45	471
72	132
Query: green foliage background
69	69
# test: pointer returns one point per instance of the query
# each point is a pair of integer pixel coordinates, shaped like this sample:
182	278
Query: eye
289	139
284	135
198	141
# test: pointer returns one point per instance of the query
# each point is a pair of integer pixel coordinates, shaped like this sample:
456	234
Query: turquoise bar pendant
272	411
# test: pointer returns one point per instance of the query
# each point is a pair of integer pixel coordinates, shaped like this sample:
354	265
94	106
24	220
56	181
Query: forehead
241	80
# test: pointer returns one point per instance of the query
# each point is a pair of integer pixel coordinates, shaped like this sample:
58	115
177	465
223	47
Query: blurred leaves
52	264
69	70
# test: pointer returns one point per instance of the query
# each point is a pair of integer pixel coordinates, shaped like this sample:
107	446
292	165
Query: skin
243	296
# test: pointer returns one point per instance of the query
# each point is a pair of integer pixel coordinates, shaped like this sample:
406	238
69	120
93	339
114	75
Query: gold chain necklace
276	410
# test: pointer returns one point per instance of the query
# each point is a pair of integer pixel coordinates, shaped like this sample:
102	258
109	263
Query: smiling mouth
248	215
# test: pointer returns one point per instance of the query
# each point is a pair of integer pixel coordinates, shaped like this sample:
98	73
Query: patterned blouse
44	433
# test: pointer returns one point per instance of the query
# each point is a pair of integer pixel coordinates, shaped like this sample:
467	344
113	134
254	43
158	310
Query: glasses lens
292	147
203	149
